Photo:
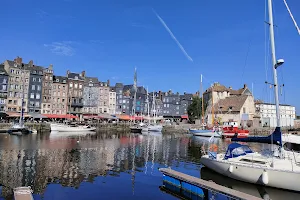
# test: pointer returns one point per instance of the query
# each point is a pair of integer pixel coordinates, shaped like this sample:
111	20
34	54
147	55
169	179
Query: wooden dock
208	185
23	193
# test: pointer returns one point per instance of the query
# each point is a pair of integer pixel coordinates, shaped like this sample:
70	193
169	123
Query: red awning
184	116
55	116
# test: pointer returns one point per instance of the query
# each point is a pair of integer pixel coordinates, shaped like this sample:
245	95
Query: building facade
267	113
35	88
103	106
112	101
3	88
91	95
18	85
46	107
59	94
175	105
226	104
75	93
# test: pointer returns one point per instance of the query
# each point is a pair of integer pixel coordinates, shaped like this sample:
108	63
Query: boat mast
134	98
212	105
148	108
202	105
154	109
21	120
275	65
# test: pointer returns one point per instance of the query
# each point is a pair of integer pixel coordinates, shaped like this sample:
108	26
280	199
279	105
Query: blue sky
223	40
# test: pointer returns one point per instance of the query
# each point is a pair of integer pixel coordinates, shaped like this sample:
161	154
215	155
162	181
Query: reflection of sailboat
55	134
255	190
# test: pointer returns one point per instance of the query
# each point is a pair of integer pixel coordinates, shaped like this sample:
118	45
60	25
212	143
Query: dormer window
34	72
230	107
57	80
64	81
76	77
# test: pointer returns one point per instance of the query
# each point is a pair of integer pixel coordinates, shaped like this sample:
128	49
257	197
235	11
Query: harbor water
109	166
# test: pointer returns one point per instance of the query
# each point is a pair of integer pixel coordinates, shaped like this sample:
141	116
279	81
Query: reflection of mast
133	167
147	154
153	154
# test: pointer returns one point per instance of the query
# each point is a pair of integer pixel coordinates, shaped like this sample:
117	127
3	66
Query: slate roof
119	85
232	104
72	75
60	79
92	79
2	70
26	66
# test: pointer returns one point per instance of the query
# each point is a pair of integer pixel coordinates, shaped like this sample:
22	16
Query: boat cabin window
253	161
292	147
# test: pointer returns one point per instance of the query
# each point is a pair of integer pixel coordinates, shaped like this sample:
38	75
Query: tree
195	109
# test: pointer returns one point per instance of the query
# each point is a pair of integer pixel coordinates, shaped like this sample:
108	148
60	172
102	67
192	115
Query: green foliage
195	109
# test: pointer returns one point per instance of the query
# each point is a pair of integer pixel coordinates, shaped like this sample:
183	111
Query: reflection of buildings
93	156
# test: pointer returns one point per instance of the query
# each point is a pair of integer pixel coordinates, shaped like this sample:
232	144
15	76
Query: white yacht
71	128
280	169
241	163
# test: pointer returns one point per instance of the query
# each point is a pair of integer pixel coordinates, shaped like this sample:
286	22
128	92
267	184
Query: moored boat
71	128
231	129
206	133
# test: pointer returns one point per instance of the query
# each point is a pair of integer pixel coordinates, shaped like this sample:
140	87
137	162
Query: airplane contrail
173	36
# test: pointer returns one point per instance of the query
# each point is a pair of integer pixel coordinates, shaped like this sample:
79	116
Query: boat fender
231	168
265	178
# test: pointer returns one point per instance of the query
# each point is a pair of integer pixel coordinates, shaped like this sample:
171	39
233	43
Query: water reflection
108	165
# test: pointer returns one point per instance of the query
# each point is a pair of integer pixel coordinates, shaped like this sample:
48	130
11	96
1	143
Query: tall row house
91	96
35	88
104	97
59	95
47	90
18	85
3	88
112	101
75	94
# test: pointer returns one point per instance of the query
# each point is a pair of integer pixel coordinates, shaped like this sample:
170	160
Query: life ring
213	148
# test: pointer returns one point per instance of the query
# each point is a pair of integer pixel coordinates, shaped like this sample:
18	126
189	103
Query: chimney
30	64
230	87
184	93
18	60
82	74
50	67
108	82
245	86
68	72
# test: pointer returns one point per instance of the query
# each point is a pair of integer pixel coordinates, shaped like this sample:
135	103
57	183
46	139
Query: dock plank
208	185
23	193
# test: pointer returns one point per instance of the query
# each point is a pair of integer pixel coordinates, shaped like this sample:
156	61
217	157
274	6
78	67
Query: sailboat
241	163
154	127
216	131
136	128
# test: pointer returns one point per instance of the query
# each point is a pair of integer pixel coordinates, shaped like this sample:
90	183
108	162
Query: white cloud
61	48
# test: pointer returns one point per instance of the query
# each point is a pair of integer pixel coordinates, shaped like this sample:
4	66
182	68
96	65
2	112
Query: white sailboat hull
66	128
154	128
205	133
269	176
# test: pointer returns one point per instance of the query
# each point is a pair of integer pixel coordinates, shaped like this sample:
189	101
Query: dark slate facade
35	88
175	105
125	97
3	88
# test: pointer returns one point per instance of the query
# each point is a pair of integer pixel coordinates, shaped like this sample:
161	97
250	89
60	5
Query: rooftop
230	104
